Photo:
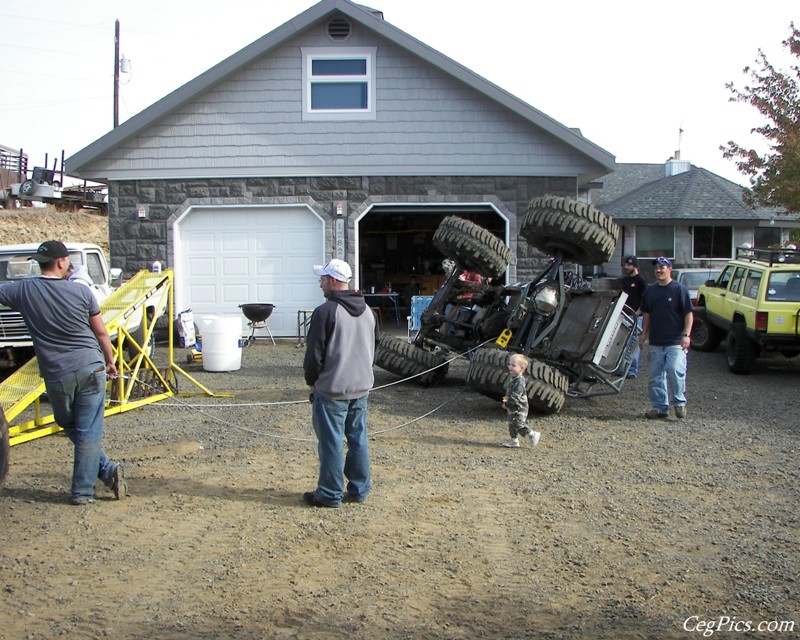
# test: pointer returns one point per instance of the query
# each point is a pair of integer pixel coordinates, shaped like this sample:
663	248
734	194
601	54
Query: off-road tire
405	360
4	449
581	233
546	387
740	352
472	247
705	336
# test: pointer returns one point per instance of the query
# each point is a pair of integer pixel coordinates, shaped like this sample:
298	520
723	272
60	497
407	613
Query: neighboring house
335	135
686	213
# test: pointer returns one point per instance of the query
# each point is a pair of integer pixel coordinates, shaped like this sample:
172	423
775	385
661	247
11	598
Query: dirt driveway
614	527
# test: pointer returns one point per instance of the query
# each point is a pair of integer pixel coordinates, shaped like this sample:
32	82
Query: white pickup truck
15	263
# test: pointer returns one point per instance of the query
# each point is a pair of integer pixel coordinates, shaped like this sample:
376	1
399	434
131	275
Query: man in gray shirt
75	356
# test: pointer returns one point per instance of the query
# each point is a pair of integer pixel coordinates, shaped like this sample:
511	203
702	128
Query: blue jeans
667	367
334	421
634	370
78	401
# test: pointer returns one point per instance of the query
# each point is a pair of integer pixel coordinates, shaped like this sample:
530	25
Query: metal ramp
129	318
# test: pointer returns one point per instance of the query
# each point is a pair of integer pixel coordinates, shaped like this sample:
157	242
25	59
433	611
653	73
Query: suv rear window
784	285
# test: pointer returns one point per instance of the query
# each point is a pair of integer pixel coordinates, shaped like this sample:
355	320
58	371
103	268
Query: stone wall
135	242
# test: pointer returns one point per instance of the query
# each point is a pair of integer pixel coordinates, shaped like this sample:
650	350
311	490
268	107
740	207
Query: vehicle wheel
705	336
790	353
28	188
472	247
580	232
405	360
546	387
138	336
740	351
4	449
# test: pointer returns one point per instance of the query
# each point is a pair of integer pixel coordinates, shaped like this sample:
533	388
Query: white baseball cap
336	269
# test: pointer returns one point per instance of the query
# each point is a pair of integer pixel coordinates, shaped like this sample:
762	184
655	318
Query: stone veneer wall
135	242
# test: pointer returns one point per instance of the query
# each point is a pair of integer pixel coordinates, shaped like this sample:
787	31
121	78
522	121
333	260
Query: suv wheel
740	351
4	449
472	247
705	336
583	234
546	387
405	360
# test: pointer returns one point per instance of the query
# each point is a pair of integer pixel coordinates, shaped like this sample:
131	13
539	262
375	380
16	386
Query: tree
775	175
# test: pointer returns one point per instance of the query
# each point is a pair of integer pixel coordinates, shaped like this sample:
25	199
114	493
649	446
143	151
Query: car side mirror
711	283
115	274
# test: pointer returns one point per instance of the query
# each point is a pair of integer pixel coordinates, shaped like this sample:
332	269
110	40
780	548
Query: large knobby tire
473	247
405	360
705	336
582	234
4	449
740	352
546	386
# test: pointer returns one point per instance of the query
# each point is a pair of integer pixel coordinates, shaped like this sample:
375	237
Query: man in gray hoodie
340	351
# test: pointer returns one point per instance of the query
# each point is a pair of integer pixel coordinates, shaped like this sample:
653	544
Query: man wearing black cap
75	356
667	312
634	285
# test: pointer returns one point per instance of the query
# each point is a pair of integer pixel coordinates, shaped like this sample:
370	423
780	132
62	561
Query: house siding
251	125
135	242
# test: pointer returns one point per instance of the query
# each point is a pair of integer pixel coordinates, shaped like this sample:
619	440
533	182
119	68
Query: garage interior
396	244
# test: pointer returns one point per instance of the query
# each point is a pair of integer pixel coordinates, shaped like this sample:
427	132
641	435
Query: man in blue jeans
74	353
340	351
633	283
667	312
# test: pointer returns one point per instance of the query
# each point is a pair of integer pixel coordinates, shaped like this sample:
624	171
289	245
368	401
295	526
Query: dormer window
339	84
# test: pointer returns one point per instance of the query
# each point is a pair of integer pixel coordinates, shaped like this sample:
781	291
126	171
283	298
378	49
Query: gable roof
642	192
370	19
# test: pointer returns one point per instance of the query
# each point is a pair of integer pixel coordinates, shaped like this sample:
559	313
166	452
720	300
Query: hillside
37	225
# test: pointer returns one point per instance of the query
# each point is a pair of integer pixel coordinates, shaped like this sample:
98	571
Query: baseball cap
631	260
49	251
662	260
336	269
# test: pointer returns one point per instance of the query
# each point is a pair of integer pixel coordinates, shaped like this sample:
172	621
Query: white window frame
338	53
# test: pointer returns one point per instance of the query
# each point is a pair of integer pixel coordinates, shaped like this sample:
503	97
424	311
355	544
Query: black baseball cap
49	251
631	260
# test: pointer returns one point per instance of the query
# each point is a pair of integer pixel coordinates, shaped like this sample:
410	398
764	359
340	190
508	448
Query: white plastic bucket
222	344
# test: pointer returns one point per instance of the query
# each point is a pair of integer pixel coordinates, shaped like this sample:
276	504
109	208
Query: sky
641	80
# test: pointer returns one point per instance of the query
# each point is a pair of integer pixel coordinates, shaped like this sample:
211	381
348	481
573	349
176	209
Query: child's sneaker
534	436
511	443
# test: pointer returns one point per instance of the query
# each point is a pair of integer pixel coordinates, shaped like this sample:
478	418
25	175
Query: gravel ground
613	527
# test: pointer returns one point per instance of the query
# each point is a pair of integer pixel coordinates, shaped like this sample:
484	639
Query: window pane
752	284
652	242
339	67
339	95
765	237
712	242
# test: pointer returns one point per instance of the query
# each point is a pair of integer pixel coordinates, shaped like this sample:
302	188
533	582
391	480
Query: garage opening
395	244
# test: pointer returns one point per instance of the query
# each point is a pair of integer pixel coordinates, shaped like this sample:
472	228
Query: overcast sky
629	74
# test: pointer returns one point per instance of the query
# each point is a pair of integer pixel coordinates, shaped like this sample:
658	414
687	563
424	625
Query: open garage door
227	256
395	242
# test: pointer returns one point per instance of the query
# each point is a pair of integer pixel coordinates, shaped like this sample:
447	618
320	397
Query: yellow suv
755	302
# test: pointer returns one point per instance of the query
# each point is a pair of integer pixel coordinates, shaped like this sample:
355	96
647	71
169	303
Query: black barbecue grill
257	313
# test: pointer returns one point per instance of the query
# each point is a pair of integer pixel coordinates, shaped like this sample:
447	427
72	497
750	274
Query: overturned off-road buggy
580	341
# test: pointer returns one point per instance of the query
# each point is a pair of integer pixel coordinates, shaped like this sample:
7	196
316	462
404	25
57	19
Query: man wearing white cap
340	351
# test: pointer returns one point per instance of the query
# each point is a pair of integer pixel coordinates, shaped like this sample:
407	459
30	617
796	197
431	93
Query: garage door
227	256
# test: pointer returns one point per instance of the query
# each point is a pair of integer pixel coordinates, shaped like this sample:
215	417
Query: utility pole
116	74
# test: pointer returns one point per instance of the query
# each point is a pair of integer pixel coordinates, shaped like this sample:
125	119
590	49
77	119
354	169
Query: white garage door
227	256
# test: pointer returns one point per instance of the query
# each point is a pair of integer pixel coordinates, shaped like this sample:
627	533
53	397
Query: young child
516	403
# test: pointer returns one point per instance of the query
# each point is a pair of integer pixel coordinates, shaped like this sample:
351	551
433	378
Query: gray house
686	213
335	135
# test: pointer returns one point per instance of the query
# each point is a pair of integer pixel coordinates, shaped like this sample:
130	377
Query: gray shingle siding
251	124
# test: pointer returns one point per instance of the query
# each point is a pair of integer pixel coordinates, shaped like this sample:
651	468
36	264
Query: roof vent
339	28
